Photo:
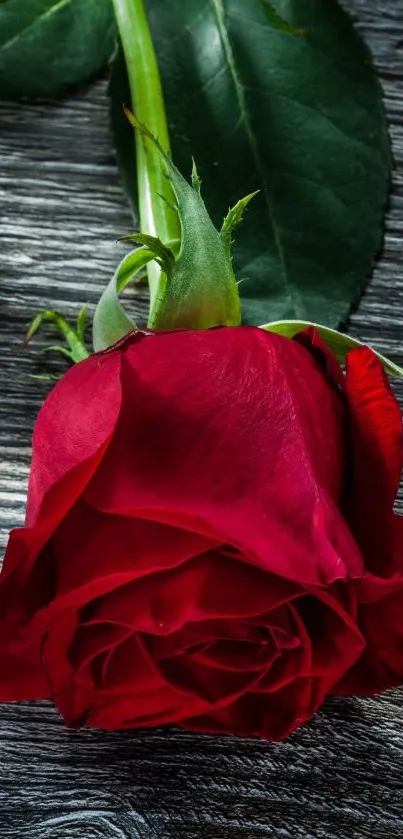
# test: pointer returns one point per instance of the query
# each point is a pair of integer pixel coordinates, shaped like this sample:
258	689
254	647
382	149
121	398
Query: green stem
156	217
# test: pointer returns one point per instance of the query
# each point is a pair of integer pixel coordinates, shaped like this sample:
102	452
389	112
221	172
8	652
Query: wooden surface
342	775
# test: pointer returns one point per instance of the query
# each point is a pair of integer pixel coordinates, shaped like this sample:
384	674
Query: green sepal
60	349
339	343
76	350
201	290
162	253
196	182
81	323
111	323
44	377
234	218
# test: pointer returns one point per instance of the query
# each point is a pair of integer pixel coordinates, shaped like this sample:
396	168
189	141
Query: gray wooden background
341	776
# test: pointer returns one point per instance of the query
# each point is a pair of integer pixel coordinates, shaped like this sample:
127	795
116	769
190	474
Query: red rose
210	538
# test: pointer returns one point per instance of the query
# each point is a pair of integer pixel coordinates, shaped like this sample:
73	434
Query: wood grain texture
340	776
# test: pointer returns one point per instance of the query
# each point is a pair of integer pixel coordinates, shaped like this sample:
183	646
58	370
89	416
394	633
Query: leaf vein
55	8
218	9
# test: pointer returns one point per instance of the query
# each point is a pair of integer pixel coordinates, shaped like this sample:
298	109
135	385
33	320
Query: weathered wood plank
62	209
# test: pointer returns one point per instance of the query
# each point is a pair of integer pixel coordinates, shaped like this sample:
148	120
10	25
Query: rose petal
381	665
91	546
240	429
20	680
203	682
136	693
336	642
381	623
206	635
311	339
73	426
59	670
208	587
273	716
376	426
236	656
71	435
91	643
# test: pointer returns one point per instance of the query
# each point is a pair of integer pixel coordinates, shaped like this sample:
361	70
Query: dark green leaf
293	111
47	45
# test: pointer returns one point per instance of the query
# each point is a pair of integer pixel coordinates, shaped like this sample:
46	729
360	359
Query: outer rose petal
381	664
377	456
74	424
19	679
310	338
240	432
376	426
72	432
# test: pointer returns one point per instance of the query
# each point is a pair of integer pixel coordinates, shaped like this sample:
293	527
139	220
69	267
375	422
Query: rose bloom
210	538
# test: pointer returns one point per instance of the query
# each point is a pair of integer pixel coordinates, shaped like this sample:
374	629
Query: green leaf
294	112
48	45
339	343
